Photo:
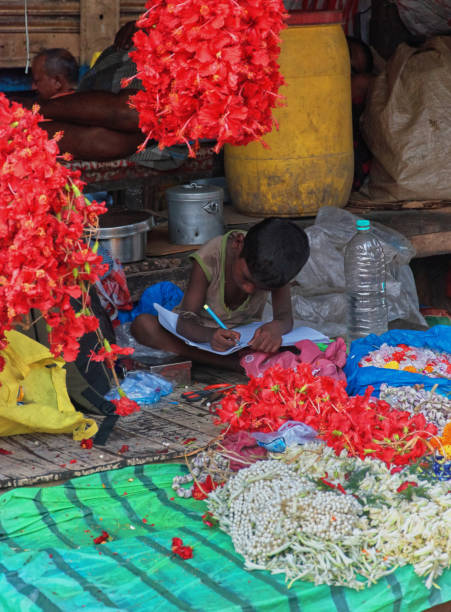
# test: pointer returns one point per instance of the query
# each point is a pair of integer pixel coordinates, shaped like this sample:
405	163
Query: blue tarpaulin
438	338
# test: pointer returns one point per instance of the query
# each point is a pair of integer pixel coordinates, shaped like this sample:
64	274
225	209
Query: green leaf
409	492
356	477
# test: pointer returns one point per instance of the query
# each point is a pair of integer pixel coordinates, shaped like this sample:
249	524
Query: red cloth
246	447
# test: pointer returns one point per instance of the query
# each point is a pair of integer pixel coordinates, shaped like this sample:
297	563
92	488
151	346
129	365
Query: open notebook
168	320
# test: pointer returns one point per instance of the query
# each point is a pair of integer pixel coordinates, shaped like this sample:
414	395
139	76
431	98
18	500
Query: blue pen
214	316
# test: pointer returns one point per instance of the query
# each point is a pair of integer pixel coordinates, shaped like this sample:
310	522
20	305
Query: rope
27	37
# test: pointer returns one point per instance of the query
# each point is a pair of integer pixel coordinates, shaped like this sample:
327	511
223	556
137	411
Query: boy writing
233	274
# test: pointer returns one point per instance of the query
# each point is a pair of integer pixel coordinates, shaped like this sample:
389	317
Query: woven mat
157	433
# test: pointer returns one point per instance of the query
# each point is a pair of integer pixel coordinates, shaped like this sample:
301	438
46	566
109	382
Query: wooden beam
427	245
99	22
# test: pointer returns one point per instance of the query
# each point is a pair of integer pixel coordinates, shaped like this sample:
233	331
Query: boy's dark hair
60	62
275	250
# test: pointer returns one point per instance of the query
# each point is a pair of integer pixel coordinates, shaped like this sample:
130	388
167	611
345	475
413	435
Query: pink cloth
244	445
327	363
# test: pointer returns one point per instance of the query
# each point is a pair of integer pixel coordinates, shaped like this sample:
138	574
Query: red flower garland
362	425
209	70
44	259
45	223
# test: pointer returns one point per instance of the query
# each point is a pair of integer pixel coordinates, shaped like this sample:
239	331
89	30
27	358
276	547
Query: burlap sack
407	125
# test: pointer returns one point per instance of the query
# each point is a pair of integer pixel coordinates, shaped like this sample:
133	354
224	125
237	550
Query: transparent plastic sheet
425	17
318	296
125	339
288	434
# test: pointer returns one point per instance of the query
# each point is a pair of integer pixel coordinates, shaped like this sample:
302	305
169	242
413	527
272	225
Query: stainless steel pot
194	213
124	233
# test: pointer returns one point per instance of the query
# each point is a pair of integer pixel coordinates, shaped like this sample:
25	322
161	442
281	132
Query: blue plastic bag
143	387
438	338
166	293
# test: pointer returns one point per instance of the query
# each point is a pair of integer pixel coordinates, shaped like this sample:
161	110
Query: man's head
361	57
272	253
55	71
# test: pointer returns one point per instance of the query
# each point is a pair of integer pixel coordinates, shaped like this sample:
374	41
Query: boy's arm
268	337
192	304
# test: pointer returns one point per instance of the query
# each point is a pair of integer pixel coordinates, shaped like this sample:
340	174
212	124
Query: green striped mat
49	562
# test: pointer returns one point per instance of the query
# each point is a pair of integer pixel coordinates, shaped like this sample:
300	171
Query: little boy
233	275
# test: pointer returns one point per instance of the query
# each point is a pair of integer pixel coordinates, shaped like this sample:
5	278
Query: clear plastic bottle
365	284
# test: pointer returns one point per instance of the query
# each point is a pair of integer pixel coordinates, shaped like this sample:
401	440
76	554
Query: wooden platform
429	230
158	433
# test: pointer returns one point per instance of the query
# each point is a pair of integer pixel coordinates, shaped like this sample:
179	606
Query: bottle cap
362	224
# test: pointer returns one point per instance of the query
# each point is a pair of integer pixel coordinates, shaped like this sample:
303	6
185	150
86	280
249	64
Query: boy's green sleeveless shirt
212	257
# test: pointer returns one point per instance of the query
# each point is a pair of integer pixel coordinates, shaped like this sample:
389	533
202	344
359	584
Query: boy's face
242	277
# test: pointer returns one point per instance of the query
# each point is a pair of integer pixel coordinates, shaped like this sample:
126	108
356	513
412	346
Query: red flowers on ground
185	552
209	520
209	70
201	490
86	443
362	425
102	538
125	406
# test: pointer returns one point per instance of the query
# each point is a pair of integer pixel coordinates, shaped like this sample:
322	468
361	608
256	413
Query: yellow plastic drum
310	160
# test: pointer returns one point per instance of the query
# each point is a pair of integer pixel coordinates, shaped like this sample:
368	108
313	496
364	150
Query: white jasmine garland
283	518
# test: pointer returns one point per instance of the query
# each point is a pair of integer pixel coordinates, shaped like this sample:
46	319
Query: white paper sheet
168	320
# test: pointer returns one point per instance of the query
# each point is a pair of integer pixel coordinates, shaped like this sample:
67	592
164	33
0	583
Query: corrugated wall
82	26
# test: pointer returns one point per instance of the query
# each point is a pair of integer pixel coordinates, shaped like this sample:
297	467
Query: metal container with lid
195	213
124	233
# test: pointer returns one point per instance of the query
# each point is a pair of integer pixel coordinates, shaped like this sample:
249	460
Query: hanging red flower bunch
209	70
45	228
362	425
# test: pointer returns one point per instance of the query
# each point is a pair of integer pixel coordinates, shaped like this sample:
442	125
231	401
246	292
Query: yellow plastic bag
33	394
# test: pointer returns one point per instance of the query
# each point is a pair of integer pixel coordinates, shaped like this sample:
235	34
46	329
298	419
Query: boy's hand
267	338
224	339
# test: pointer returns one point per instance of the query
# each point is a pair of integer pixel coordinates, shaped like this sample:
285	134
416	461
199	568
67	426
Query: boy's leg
147	330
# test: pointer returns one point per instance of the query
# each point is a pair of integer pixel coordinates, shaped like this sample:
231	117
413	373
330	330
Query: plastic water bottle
365	284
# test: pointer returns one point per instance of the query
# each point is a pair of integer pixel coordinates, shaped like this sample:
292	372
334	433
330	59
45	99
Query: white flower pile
435	406
280	520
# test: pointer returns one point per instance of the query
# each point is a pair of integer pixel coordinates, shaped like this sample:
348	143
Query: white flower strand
435	407
202	464
403	531
279	521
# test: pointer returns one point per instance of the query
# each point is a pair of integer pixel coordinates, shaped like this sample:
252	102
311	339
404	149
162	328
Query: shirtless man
55	73
98	124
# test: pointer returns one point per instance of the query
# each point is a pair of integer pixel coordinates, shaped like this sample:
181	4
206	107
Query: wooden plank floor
157	433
